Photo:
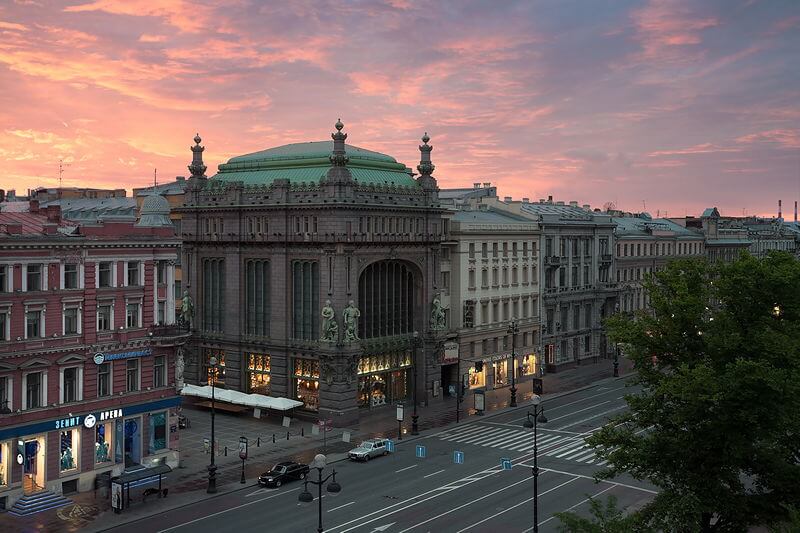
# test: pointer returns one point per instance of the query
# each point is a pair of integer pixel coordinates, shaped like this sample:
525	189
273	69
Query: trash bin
102	482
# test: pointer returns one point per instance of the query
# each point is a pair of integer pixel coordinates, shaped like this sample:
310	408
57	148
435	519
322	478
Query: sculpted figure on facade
180	363
437	315
330	328
187	309
351	315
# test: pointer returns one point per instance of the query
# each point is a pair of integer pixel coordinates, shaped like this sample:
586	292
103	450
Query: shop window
477	379
4	462
529	364
104	434
306	373
501	373
158	431
70	447
160	371
383	379
217	375
258	368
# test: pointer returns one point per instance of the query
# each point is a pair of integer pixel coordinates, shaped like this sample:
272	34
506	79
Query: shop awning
241	398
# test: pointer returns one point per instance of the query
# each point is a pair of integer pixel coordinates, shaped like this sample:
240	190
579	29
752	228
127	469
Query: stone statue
327	372
187	309
437	315
351	315
179	365
330	328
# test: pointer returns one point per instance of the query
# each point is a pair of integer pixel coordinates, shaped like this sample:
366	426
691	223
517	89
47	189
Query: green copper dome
309	163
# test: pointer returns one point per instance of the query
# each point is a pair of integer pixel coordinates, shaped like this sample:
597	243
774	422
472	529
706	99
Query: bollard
258	442
273	438
287	435
226	451
302	431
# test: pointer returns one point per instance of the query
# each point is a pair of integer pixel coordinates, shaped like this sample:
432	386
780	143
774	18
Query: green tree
716	425
608	518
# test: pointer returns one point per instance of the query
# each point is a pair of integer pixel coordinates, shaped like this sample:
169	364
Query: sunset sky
680	105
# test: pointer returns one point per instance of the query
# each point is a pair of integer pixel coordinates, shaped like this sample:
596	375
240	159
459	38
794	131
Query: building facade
493	284
87	382
315	272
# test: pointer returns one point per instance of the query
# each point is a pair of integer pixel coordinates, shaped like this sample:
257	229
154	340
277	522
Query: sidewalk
187	483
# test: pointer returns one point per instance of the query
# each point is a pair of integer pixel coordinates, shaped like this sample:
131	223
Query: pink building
87	351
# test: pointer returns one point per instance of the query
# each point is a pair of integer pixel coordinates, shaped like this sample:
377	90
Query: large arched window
386	299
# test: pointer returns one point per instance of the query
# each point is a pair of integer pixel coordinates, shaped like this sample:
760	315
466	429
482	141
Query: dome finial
339	125
197	139
425	138
197	168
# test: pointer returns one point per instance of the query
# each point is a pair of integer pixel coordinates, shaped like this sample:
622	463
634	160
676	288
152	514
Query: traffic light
478	366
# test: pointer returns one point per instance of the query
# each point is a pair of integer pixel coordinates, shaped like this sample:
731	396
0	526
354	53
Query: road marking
578	411
260	491
437	472
406	468
512	507
227	510
595	416
345	505
592	478
574	506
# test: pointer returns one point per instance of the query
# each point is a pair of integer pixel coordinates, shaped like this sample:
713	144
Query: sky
668	106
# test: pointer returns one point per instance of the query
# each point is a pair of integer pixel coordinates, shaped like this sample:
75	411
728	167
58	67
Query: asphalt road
402	492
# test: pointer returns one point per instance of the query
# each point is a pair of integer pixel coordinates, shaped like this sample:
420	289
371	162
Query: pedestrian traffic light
478	366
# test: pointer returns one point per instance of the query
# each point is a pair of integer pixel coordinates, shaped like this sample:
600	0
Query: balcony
552	260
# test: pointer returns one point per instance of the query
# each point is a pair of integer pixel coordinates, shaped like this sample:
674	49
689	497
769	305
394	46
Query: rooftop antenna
644	206
61	166
155	179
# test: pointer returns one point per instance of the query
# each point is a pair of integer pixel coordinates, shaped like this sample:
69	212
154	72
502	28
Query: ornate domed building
314	268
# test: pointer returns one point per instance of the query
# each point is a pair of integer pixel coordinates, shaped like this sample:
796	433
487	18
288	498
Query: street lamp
333	487
616	360
537	416
415	342
212	469
513	329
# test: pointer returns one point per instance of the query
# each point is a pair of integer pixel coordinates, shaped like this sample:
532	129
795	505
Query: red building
87	350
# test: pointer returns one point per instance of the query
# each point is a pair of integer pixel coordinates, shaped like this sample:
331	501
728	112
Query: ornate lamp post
416	342
537	416
333	487
212	469
513	329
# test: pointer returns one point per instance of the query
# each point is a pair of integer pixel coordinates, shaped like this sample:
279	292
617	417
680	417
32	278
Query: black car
283	472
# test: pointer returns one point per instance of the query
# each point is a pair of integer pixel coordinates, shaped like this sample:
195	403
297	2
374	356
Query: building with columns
87	351
314	269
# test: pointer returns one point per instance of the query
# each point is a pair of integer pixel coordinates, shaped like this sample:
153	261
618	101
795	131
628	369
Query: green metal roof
309	163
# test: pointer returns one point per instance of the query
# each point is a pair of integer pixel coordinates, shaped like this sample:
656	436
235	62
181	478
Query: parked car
368	449
283	472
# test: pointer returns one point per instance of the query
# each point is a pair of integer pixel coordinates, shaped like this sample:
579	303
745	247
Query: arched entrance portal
387	292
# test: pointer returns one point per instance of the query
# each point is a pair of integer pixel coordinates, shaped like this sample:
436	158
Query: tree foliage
608	518
716	425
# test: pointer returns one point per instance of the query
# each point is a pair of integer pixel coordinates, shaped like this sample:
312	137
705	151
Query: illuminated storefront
383	379
502	375
258	373
218	373
477	379
306	382
529	365
4	462
70	446
104	443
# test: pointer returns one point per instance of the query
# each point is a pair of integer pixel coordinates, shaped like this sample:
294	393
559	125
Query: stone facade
346	234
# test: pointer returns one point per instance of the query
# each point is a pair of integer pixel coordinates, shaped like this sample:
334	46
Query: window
34	326
4	278
213	294
104	274
160	371
514	276
576	317
563	242
514	249
132	374
104	436
524	274
575	244
587	344
5	326
133	273
562	277
495	281
505	276
575	280
33	277
485	278
105	317
305	300
258	367
104	380
505	249
216	374
588	316
71	321
484	250
161	272
70	276
5	394
158	431
471	278
161	309
70	383
132	315
586	280
178	290
34	397
494	249
472	250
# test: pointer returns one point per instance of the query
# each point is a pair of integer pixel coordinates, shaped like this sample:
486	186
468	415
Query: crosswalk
558	445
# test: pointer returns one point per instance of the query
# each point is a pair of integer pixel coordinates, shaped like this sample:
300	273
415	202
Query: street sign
505	463
399	412
286	421
346	436
422	452
389	445
458	458
206	445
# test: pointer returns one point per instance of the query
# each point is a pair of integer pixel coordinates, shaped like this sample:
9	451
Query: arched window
386	300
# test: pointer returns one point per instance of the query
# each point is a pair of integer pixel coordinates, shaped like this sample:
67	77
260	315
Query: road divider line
627	486
345	505
437	472
595	416
406	468
578	411
574	506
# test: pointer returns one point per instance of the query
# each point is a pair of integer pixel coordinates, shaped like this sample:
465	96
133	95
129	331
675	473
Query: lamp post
212	469
415	342
537	416
333	487
513	329
616	360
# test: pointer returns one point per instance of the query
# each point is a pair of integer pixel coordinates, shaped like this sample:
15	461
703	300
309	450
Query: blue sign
458	458
100	357
505	463
421	451
389	445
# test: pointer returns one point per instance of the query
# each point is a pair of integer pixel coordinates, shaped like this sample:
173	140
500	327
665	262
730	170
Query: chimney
527	200
573	203
550	199
507	199
779	209
559	203
34	207
53	213
486	184
476	185
14	228
587	207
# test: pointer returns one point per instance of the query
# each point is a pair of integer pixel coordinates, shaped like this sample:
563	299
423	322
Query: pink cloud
784	138
186	16
665	28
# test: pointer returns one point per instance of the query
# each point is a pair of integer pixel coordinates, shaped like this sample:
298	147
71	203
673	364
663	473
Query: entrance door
33	467
133	442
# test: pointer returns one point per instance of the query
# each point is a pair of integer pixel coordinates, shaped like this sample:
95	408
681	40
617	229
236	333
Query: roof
638	226
15	207
31	224
488	217
309	163
173	187
710	212
154	212
142	473
83	209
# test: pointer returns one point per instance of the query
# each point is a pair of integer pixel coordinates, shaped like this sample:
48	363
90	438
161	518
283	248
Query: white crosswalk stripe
557	445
